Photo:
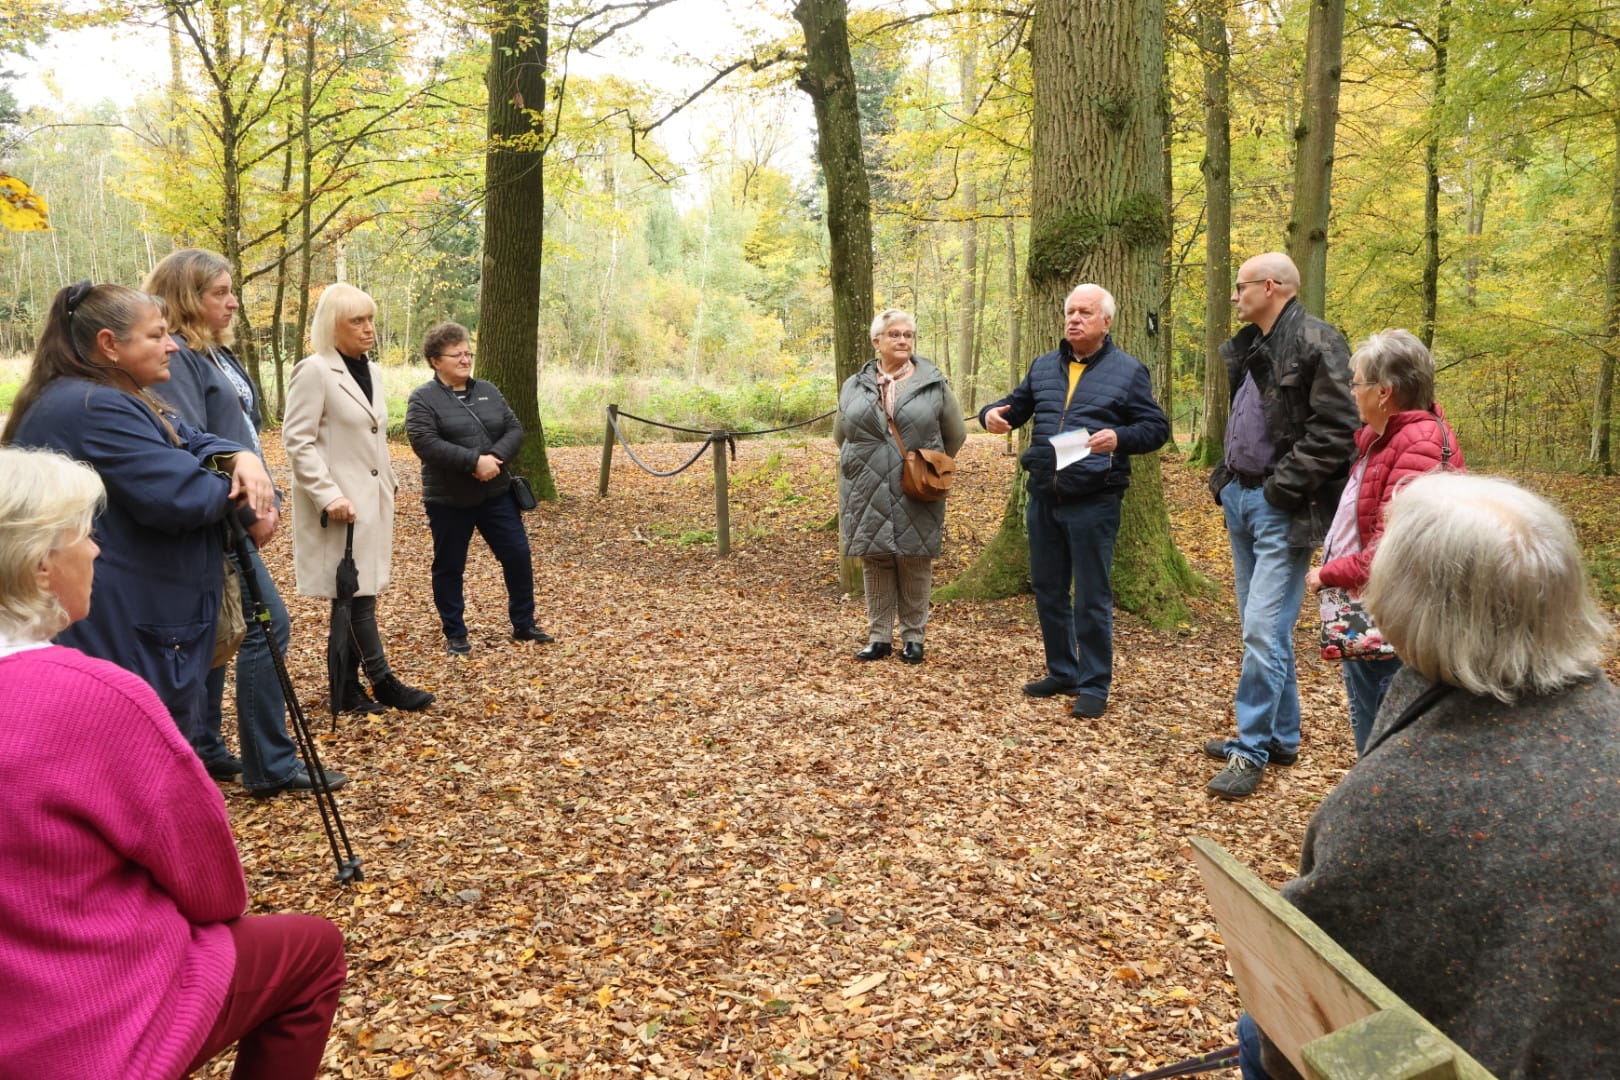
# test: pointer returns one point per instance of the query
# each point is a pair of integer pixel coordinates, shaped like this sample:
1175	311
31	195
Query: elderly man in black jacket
1289	442
1085	384
464	432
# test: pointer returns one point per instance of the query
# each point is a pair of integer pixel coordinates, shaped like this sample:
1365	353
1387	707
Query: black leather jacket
1303	370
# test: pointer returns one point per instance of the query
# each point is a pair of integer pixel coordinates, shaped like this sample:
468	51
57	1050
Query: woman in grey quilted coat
895	538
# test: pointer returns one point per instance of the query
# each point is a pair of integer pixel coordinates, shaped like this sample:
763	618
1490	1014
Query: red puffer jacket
1410	446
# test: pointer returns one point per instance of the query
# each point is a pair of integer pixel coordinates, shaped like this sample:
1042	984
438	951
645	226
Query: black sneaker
396	695
1087	707
532	633
300	781
1275	754
1051	686
457	646
225	768
1238	780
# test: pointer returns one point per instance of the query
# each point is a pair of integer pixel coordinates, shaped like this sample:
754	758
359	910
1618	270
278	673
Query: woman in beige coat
336	437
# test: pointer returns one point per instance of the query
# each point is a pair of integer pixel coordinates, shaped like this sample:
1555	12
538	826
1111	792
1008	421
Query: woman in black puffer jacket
464	432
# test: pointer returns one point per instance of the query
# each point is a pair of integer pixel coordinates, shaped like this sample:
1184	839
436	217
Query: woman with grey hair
1405	434
336	437
1467	858
896	395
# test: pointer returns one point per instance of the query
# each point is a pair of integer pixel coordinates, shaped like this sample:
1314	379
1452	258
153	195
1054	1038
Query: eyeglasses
456	355
900	335
1357	384
1237	286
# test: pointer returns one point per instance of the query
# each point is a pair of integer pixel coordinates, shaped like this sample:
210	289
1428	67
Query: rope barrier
649	469
727	437
785	427
666	427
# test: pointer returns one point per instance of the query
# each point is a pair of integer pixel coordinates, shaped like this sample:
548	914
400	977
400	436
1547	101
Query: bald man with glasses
1289	443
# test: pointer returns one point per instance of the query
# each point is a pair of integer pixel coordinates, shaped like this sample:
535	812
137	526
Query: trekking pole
1224	1058
348	863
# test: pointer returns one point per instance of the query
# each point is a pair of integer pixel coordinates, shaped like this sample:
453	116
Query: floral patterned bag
1348	632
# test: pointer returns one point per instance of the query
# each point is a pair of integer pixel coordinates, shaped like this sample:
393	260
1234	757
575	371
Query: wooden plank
1297	983
1396	1044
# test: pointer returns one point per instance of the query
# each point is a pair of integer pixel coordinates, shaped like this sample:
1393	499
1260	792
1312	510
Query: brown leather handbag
925	475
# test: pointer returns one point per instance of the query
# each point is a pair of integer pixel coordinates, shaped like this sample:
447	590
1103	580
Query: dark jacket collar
1066	351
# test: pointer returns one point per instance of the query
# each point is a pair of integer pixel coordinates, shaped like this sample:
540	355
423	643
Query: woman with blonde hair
89	394
211	390
123	948
336	437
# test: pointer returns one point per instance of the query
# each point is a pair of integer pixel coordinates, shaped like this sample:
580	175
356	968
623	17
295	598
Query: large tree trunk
1217	167
969	311
1431	169
1603	406
514	224
828	77
1313	152
1098	213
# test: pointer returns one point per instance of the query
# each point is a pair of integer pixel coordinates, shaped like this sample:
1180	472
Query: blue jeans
1248	1038
1366	682
1071	553
269	755
1270	587
500	523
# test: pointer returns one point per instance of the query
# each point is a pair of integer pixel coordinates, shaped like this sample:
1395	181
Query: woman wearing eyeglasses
895	537
1404	435
465	433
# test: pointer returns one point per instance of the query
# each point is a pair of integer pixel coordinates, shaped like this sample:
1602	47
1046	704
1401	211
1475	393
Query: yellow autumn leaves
21	210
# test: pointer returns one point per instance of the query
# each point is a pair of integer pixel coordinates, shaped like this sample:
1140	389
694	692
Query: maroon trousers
278	1010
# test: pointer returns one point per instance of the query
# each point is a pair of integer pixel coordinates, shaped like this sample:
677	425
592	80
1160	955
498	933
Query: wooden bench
1325	1012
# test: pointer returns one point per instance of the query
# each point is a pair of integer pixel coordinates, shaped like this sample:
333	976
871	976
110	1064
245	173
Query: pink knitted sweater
117	874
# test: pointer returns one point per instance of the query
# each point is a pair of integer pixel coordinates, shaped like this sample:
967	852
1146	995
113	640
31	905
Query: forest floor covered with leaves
695	838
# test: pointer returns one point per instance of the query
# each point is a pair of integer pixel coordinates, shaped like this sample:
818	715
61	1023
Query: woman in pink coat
1405	435
124	952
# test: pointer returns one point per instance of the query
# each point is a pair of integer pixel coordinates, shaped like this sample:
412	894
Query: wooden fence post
607	451
722	503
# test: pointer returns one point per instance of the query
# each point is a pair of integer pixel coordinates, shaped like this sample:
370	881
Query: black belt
1250	480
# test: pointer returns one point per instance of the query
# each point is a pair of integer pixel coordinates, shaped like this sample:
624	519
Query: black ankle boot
352	696
396	695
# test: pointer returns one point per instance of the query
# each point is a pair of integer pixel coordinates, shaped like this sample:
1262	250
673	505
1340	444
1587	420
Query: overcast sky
88	66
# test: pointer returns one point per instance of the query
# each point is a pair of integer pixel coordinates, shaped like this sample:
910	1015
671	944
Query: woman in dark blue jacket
210	389
465	433
159	577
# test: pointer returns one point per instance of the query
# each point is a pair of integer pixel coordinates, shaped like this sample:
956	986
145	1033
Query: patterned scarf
887	383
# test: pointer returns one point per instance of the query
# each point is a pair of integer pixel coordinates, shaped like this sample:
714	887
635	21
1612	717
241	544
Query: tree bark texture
1216	51
1431	168
1600	456
828	77
1313	152
514	225
1098	213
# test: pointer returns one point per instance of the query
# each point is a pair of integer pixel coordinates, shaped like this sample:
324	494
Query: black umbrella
339	649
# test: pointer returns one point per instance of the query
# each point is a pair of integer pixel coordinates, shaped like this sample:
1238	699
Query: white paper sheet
1071	446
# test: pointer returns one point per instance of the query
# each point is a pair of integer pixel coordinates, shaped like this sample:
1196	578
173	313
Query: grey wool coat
1470	861
875	515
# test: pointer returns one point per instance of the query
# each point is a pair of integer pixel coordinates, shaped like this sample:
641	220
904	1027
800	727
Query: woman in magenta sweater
1405	435
124	952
